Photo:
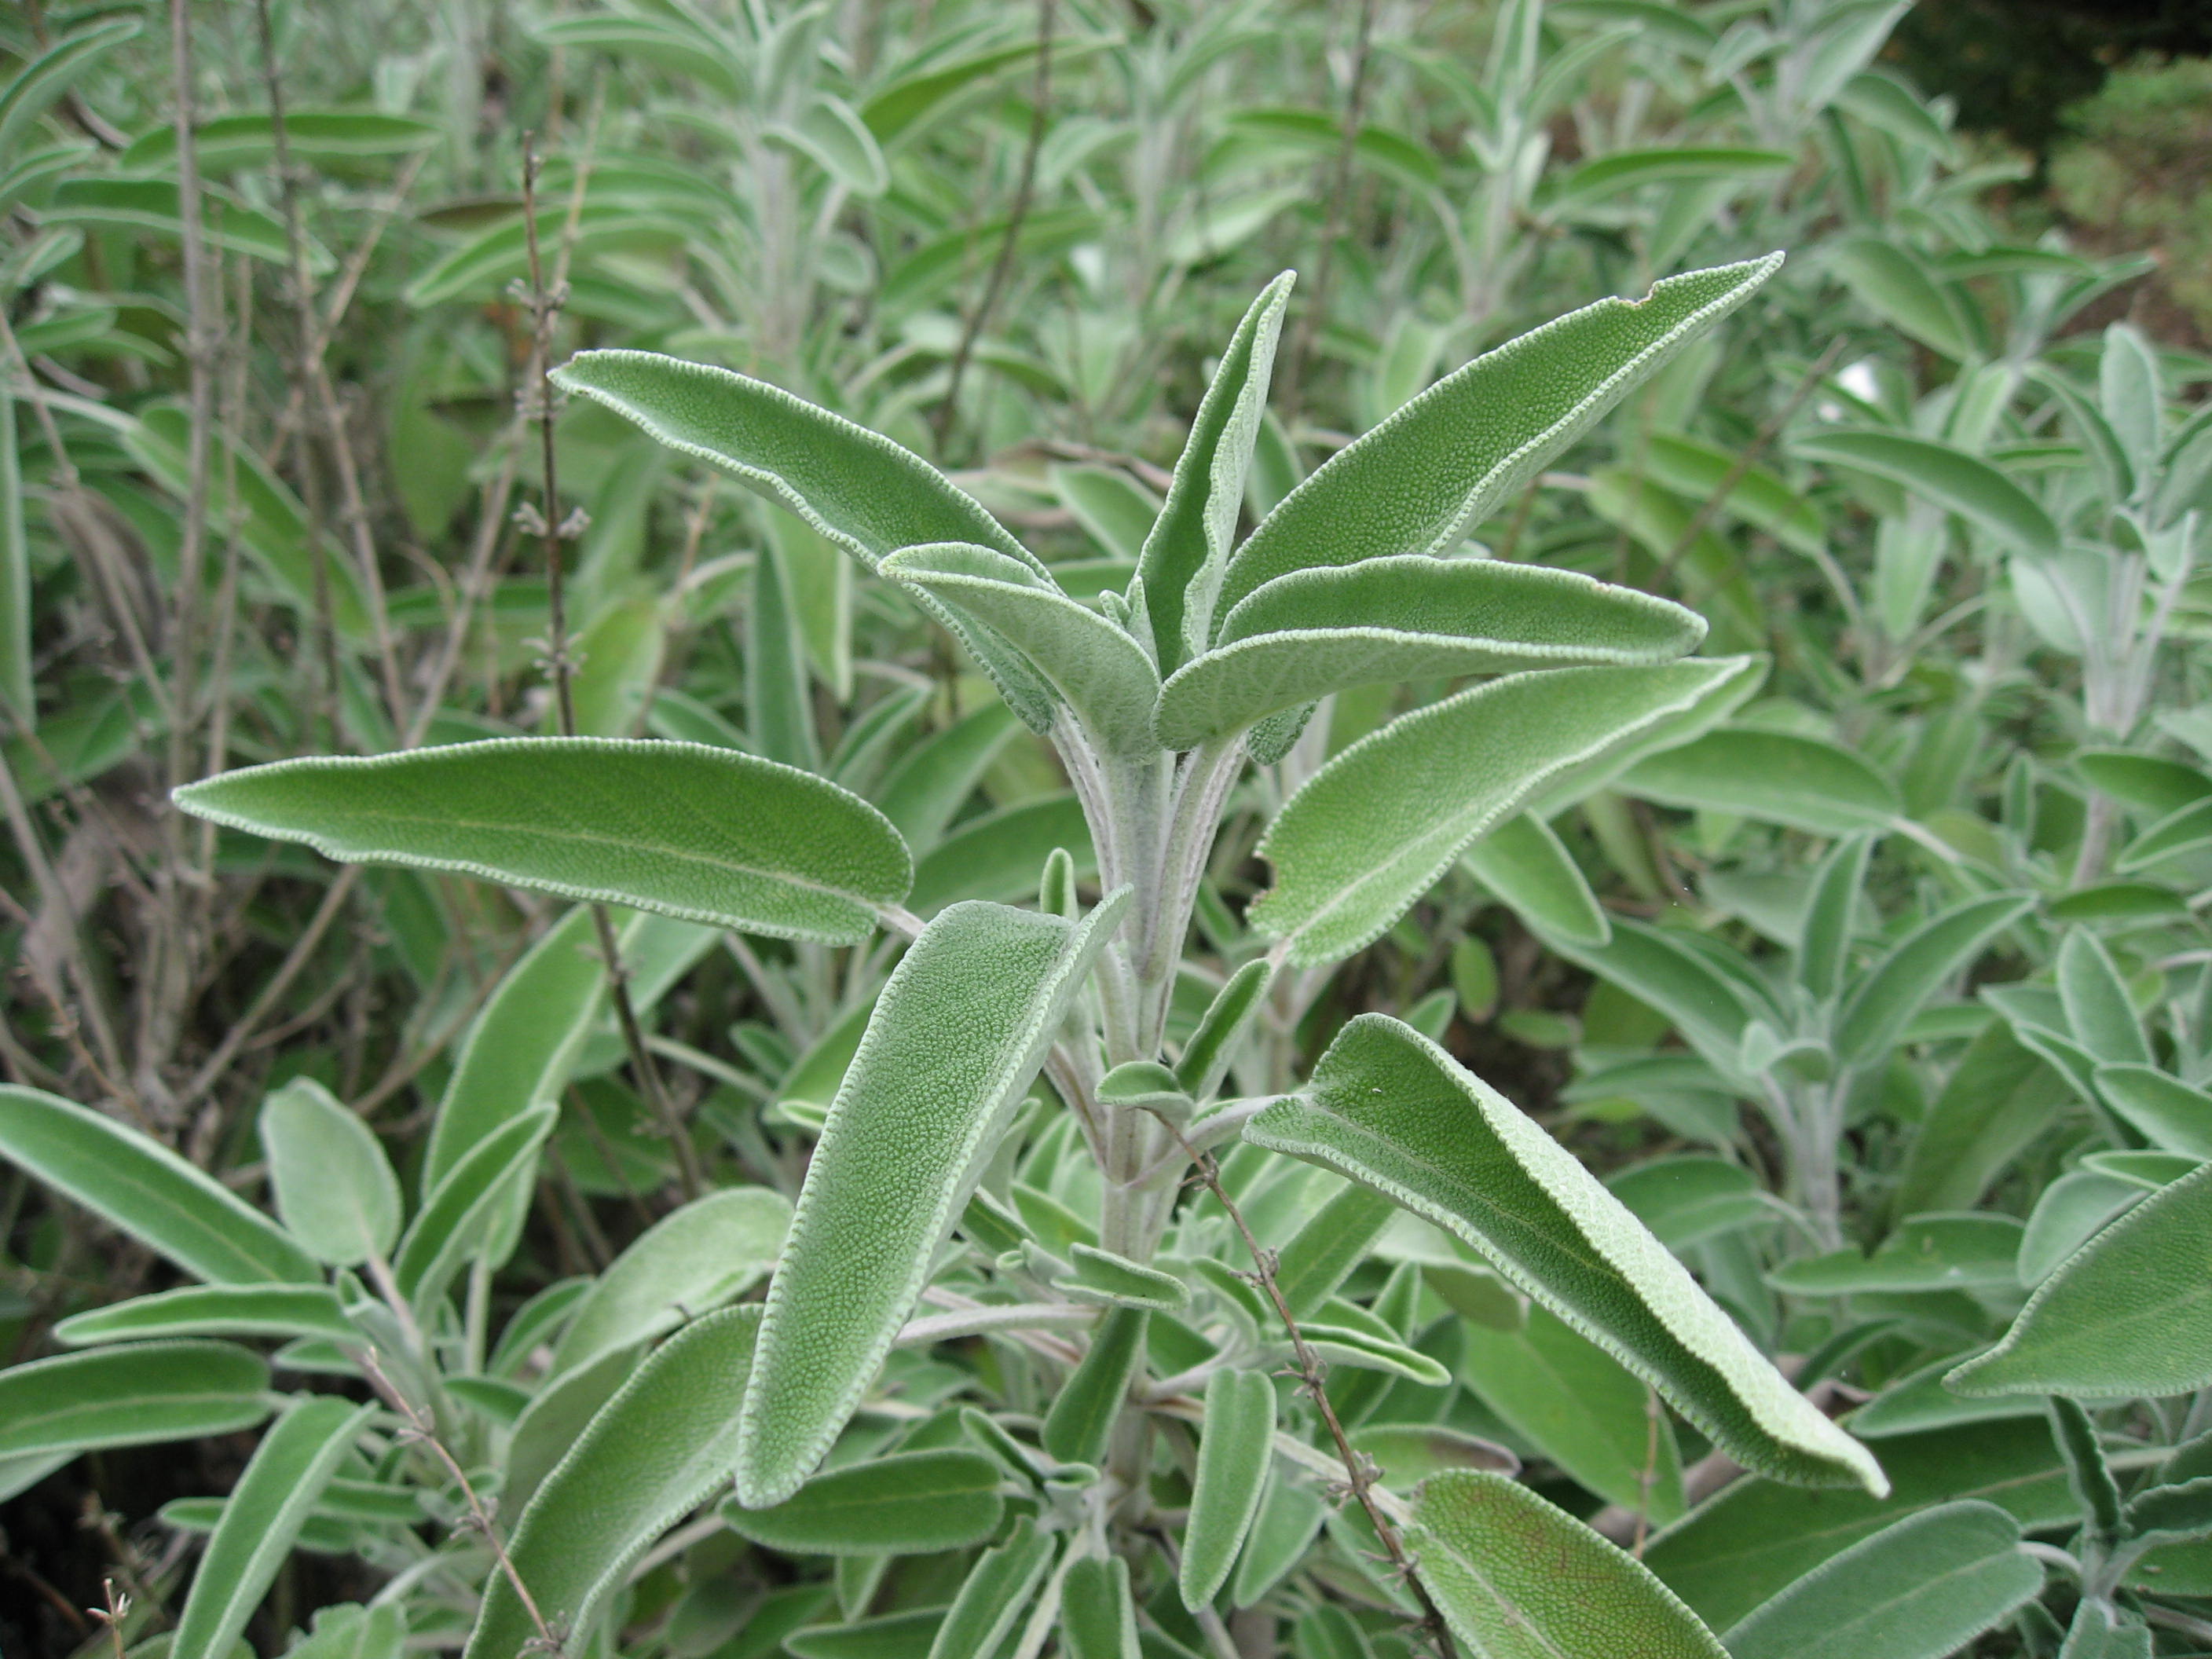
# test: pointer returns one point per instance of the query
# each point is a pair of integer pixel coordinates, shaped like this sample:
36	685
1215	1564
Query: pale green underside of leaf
1516	1578
958	1032
255	1310
1373	831
2129	1314
333	1186
650	1455
1965	484
1234	1451
1390	1108
133	1395
1422	479
141	1187
704	833
1313	632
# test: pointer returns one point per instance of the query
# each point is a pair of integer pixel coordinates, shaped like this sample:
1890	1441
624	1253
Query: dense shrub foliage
1094	829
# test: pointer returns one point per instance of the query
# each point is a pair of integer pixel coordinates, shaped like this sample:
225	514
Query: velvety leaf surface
910	1502
1390	1108
1235	1445
334	1188
705	833
1778	776
248	1310
132	1395
1526	865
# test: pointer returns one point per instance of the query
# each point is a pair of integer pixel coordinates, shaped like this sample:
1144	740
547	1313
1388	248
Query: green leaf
2185	830
957	1034
1697	469
1903	292
779	708
1205	1057
334	1188
1576	1405
1526	865
1824	948
1998	1099
1921	1589
1314	631
1518	1579
1424	479
696	1258
17	690
231	144
650	1455
935	778
1103	1276
45	77
1926	1252
2129	1314
155	205
1083	1412
2100	1012
1949	476
1097	1616
2169	1112
1371	831
833	136
1626	170
261	1519
1666	969
2101	1630
1187	549
1686	1200
909	1503
996	1591
1117	510
1234	1448
1779	777
677	827
142	1187
1388	1108
134	1395
998	856
467	1204
1323	1252
264	1310
350	1631
1884	999
1101	672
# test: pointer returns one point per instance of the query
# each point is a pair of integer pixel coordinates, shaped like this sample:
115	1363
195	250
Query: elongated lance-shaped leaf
998	1590
1949	476
859	490
933	779
2169	1112
1234	1447
650	1455
137	1185
1389	1107
1886	997
1523	862
1422	479
262	1518
1373	831
692	1260
704	833
1205	1057
52	72
2128	1314
467	1204
959	1030
333	1186
1102	1276
136	1395
1780	777
17	690
1081	1420
1103	673
1323	1254
1919	1590
1316	631
908	1503
2100	1012
1097	1615
1516	1578
248	1310
1824	945
1187	550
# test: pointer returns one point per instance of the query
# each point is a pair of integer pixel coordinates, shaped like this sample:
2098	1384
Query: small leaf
1289	1515
1824	949
1518	1579
1323	1254
261	1519
908	1503
1205	1057
1926	1252
1373	831
1631	169
2099	1010
1526	865
2101	1630
1776	776
1097	1616
2129	1313
954	1041
142	1187
1421	481
650	1455
462	1207
996	1591
1923	1588
135	1395
1387	1108
1949	476
1103	1276
704	834
334	1188
693	1260
2169	1112
1083	1412
2185	830
1314	631
266	1310
52	72
1884	999
933	780
1235	1446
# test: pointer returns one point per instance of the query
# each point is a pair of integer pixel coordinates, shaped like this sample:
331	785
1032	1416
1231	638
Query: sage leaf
1083	1412
1205	1059
465	1205
264	1310
957	1035
1235	1447
704	833
1963	483
908	1503
1421	481
1824	942
1323	1254
1187	550
1884	999
933	780
134	1395
334	1188
2100	1012
1371	831
2129	1314
1316	631
1098	1617
650	1455
261	1519
1526	865
1101	671
2102	1630
1778	777
2169	1112
141	1187
996	1591
1102	1276
1390	1109
1518	1579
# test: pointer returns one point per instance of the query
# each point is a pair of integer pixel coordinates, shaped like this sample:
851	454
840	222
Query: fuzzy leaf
1235	1447
996	1591
909	1503
245	1311
467	1204
134	1395
1963	483
1884	999
1776	776
1388	1108
1098	1618
958	1032
1083	1412
2169	1112
1524	864
334	1186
